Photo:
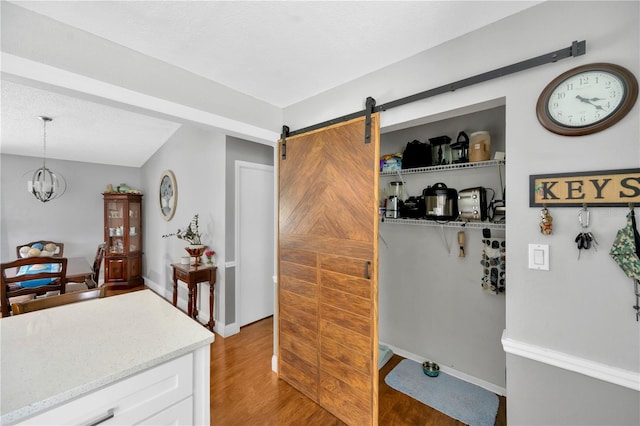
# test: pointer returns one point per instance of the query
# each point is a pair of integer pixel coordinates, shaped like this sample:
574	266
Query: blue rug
456	398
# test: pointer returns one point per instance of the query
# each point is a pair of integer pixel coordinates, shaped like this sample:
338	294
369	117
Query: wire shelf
476	165
450	224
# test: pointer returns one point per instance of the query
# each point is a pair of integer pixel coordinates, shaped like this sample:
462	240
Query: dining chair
31	275
59	300
59	251
92	281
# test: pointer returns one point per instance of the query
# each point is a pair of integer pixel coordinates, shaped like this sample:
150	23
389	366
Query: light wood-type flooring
246	392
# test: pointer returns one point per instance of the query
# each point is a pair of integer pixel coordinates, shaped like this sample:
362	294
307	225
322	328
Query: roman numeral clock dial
587	99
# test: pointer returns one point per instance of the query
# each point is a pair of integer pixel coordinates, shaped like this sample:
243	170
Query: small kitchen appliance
440	150
394	204
472	203
441	202
460	149
413	207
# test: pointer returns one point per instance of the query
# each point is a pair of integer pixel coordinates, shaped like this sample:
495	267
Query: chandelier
46	185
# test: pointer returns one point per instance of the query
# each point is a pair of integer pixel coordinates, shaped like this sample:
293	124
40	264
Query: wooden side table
192	275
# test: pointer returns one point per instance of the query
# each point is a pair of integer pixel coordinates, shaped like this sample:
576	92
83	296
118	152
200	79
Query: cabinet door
135	269
115	269
328	256
135	227
115	210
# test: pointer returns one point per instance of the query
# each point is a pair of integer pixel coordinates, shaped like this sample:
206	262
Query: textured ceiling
280	52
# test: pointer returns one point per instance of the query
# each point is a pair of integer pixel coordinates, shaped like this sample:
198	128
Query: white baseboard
182	302
226	330
450	371
628	379
274	363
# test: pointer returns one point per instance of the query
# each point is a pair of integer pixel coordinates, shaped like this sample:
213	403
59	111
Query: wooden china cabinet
123	235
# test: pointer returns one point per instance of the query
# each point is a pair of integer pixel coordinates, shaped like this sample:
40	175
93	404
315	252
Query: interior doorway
254	199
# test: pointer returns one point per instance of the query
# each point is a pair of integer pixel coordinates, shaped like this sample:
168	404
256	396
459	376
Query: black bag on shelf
416	154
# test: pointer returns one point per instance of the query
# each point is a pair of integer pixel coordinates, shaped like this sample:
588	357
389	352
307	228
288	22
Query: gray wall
237	150
578	315
196	157
76	219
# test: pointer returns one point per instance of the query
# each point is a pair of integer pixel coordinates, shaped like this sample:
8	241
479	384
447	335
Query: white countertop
50	356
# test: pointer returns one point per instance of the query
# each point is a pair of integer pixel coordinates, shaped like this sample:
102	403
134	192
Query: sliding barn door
328	268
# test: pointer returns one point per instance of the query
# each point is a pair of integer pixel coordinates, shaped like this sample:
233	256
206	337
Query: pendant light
46	185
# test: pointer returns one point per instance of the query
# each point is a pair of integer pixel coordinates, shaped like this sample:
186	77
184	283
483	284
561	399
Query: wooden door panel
347	353
340	399
304	352
347	302
303	309
299	272
302	288
302	375
300	303
356	286
356	323
355	341
350	266
328	235
300	257
297	330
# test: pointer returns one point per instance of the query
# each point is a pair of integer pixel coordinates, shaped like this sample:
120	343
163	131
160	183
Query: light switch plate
539	256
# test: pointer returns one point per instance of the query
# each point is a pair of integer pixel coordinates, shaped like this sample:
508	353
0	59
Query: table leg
195	301
211	322
175	290
190	303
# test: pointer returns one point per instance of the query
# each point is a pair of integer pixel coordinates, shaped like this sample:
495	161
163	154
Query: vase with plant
209	254
193	236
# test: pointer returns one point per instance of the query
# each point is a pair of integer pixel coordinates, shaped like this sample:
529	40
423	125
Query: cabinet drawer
132	399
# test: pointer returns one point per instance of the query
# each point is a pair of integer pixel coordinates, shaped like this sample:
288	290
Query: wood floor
245	391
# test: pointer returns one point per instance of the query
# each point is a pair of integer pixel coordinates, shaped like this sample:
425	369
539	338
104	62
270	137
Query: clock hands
590	101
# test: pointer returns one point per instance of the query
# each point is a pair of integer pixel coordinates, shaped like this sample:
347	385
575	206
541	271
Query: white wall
32	36
197	158
76	219
580	308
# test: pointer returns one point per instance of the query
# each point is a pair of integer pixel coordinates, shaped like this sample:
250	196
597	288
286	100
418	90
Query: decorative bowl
196	251
430	368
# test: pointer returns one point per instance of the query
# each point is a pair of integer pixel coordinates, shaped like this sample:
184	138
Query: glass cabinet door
115	232
135	230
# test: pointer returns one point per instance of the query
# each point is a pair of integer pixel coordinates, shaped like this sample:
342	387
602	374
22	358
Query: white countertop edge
64	397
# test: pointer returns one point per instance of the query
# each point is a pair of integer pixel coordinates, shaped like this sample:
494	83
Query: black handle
367	272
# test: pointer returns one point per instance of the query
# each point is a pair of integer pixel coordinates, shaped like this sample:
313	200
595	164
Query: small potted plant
193	236
209	254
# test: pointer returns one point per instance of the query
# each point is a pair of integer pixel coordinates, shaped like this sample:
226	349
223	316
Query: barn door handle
367	272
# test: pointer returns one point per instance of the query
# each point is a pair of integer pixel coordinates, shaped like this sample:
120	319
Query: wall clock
168	194
587	99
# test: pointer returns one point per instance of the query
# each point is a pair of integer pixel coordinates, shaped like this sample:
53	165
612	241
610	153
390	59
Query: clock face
587	99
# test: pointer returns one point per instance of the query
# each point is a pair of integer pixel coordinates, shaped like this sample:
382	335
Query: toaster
472	203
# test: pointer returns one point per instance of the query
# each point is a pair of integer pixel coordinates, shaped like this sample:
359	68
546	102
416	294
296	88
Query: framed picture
168	194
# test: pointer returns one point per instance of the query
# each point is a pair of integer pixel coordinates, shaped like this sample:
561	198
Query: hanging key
593	240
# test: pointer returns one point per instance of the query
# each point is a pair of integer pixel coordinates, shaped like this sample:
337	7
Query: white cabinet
128	359
159	395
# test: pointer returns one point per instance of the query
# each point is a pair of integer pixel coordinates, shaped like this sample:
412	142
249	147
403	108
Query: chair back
92	282
52	301
58	252
31	275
